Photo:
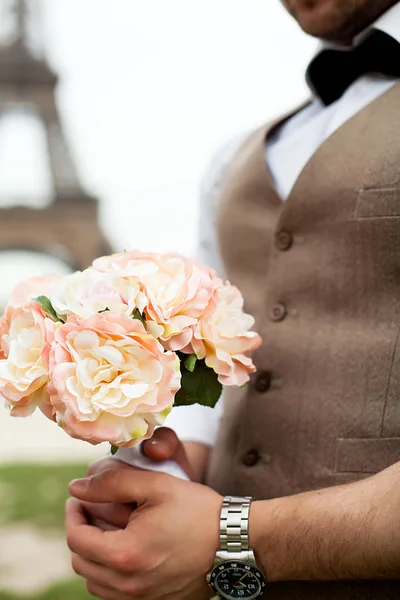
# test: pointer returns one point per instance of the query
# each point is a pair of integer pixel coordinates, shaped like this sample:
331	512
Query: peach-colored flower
32	288
5	322
26	333
178	291
110	380
223	336
85	293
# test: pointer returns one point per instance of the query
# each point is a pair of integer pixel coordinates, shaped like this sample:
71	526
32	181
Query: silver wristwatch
235	573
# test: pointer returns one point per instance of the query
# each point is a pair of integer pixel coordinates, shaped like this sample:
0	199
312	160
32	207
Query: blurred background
110	113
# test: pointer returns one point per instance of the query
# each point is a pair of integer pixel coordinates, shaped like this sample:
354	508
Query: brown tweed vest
321	273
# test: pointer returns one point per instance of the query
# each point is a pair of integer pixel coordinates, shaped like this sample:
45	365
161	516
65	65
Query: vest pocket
369	455
377	203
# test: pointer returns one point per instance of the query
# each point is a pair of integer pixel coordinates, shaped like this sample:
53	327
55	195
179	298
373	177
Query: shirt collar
389	23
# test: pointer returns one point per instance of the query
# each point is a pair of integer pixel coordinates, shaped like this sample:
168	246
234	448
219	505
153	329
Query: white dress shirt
287	152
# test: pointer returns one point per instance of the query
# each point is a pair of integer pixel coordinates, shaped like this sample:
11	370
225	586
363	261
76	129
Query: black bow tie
333	71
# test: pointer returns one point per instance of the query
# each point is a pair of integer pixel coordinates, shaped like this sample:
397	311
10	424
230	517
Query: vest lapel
332	147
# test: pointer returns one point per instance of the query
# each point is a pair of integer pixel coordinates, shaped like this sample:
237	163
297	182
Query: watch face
232	580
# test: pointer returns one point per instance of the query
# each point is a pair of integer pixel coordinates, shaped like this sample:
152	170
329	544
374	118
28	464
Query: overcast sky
149	91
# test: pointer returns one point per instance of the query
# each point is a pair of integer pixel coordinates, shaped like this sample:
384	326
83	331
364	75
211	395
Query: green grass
36	494
69	590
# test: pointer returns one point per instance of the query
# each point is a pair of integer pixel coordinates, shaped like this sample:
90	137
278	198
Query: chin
322	18
321	29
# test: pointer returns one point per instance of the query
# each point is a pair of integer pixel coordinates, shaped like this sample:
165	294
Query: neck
360	21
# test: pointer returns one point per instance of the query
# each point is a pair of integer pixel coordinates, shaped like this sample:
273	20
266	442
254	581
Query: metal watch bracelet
234	530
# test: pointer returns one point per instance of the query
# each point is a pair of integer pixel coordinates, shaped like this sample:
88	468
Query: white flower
88	292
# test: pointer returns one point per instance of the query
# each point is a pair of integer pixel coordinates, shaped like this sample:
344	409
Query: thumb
122	486
165	445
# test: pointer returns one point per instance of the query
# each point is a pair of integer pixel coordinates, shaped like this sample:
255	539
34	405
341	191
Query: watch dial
237	582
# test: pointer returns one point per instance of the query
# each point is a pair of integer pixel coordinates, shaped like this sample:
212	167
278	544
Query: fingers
162	445
105	593
165	445
90	542
103	525
118	485
104	464
112	582
96	573
114	516
74	514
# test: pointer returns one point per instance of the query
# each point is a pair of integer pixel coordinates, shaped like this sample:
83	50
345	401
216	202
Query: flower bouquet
107	352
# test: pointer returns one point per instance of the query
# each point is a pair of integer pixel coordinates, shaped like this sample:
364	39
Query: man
307	220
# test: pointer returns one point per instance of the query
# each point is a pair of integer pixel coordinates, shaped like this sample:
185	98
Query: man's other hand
165	550
164	445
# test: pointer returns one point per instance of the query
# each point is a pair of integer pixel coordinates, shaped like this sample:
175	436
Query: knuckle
101	481
123	561
109	476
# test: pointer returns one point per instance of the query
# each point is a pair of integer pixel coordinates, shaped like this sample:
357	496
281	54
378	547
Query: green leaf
114	449
190	362
47	306
137	315
198	387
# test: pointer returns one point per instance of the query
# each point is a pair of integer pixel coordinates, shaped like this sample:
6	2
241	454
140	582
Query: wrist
262	524
255	528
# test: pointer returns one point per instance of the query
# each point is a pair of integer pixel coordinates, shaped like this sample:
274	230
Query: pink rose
32	288
25	336
110	380
223	338
178	290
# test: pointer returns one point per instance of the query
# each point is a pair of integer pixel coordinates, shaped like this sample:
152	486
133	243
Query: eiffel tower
67	228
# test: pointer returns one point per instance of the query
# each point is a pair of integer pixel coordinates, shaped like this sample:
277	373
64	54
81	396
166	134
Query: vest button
278	313
263	382
283	240
251	458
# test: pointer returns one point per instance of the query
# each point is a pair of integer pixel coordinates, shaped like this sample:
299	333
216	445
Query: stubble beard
336	20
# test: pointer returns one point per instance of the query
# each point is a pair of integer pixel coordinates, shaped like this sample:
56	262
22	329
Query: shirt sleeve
199	423
196	423
207	249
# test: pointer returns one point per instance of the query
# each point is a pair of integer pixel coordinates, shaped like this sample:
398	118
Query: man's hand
167	547
164	445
